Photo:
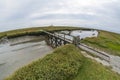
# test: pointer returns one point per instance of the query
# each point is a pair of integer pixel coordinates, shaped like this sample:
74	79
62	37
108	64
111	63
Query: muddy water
18	52
81	33
85	34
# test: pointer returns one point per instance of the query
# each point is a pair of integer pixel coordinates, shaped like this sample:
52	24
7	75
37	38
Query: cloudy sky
100	14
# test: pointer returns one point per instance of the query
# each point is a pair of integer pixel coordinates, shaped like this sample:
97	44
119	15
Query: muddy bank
20	51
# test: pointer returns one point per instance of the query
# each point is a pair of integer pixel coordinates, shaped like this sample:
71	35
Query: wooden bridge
55	40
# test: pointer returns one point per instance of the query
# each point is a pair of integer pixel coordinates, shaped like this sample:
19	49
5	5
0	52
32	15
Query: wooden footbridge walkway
56	40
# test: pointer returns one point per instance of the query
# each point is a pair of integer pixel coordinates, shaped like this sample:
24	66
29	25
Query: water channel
17	52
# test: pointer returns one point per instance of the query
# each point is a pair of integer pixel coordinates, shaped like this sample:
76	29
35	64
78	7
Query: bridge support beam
54	41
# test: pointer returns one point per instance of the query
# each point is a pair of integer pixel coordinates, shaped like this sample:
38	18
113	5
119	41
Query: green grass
36	31
91	70
65	63
106	41
60	65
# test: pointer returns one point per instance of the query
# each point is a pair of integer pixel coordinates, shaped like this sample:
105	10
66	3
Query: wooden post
64	37
76	40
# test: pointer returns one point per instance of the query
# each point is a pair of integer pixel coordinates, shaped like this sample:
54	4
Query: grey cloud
66	16
106	16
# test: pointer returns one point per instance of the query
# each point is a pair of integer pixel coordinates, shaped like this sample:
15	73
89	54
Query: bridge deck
83	46
58	36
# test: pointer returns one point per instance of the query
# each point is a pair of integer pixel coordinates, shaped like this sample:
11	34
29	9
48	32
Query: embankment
65	63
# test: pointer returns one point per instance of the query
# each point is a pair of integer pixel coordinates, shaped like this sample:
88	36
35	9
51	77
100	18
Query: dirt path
109	60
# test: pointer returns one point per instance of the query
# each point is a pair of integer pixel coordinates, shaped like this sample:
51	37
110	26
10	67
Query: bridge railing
98	53
83	46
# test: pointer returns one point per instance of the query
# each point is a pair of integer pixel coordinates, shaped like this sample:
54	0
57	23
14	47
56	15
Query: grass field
36	30
106	41
65	63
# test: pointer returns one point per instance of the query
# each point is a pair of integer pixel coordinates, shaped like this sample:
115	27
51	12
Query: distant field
65	63
106	41
36	30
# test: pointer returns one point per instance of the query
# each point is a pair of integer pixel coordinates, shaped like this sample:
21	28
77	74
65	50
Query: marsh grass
62	64
92	70
106	41
36	31
65	63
